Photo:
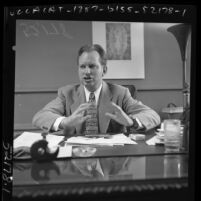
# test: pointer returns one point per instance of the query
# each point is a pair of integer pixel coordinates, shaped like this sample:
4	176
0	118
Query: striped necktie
95	169
91	124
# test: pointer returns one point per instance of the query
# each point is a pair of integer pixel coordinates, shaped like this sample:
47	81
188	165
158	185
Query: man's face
90	70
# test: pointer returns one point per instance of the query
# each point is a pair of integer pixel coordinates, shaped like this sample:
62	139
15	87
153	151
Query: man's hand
77	117
120	116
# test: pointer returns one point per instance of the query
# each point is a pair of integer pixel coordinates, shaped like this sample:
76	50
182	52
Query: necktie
95	169
91	124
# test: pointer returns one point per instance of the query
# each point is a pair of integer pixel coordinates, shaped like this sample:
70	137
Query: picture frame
124	45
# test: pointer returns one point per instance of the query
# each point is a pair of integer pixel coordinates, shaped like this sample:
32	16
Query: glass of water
172	136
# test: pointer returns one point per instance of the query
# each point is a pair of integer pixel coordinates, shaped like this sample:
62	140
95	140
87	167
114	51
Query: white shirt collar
96	93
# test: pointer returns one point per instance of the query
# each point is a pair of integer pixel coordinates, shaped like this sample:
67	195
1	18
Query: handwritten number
153	10
7	163
122	9
165	9
145	9
129	9
6	147
8	171
6	178
80	9
95	8
170	10
110	9
184	12
6	190
86	9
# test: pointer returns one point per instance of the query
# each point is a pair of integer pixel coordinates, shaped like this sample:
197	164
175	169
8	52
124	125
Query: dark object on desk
41	172
40	152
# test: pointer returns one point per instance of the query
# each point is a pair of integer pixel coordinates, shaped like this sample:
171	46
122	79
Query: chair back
132	90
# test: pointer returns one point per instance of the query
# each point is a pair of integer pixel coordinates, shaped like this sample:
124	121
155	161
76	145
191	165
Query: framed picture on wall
124	45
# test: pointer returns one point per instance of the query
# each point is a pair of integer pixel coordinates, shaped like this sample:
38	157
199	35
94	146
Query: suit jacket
71	96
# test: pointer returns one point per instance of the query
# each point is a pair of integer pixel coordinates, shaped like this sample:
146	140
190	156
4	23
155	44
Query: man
116	109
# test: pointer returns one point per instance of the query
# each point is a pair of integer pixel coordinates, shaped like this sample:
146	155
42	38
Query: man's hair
97	48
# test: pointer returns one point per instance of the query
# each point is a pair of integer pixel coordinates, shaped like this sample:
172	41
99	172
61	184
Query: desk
119	171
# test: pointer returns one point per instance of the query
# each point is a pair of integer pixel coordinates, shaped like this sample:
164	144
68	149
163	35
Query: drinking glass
172	136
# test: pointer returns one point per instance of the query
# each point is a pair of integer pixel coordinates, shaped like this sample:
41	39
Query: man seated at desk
115	108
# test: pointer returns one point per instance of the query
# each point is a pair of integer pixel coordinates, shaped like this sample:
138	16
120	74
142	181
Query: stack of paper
153	141
118	139
26	139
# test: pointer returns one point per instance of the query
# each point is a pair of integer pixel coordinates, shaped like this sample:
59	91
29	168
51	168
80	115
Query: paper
137	137
154	140
65	151
118	139
26	139
53	140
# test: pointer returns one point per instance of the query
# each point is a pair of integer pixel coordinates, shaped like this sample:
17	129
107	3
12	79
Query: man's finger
112	116
116	107
84	104
82	109
86	117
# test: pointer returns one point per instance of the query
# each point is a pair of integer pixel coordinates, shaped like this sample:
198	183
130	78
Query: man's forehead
89	56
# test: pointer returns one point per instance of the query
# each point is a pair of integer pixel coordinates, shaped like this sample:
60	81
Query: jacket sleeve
136	109
45	118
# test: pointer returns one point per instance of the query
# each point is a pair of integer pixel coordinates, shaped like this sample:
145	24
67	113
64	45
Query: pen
159	144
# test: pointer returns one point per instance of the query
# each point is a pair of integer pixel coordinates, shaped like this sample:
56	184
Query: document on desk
26	139
153	141
118	139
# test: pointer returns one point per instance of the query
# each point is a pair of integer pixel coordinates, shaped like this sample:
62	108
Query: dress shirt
96	93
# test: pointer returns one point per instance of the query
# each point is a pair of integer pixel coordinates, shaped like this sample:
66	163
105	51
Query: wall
42	69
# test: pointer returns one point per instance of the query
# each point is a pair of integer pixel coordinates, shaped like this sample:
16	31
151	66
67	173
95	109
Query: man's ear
104	70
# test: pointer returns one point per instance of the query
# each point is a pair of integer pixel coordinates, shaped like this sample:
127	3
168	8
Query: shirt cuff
139	123
55	126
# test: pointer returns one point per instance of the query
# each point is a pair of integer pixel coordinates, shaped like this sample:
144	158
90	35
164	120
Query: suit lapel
104	106
79	98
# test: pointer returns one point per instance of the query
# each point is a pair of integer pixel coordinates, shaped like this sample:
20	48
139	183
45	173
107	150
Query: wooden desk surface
109	169
135	167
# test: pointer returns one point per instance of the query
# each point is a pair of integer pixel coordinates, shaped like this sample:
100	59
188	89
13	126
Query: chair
132	90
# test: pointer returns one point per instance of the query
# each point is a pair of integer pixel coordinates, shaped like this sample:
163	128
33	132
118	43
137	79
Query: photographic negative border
123	12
